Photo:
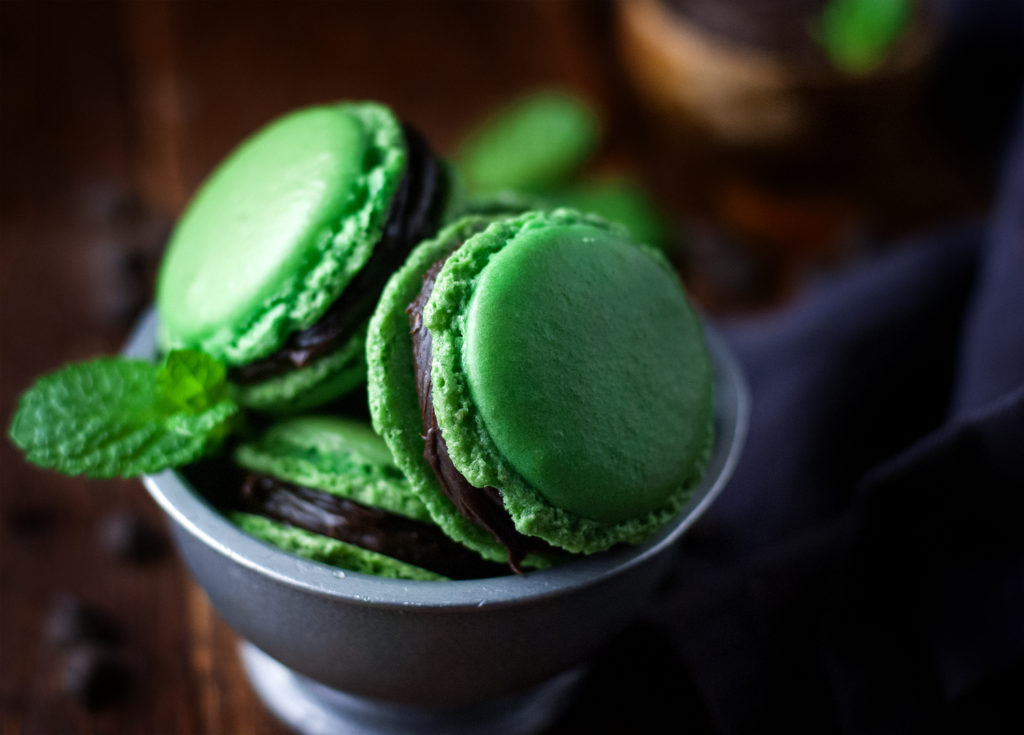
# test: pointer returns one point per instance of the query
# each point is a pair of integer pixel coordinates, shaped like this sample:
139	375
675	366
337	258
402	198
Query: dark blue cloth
872	542
864	570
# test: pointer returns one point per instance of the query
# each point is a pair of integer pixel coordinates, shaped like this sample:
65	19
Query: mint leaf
192	381
857	34
116	417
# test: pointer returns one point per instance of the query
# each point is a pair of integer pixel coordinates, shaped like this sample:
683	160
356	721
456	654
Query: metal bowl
390	651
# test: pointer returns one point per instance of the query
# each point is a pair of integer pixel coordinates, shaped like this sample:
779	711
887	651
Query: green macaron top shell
278	229
576	348
342	457
570	373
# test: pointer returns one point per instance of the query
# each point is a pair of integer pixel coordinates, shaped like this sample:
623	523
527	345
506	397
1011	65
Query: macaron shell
329	551
338	456
587	367
475	452
536	142
391	386
320	382
277	231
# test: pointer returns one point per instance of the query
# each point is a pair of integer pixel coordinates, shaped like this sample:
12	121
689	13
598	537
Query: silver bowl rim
192	514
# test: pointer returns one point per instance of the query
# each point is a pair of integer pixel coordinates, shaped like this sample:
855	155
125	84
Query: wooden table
111	113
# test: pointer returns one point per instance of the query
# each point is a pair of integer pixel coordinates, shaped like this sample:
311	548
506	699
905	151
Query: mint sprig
113	416
192	381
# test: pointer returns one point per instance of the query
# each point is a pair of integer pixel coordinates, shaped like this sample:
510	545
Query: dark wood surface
110	115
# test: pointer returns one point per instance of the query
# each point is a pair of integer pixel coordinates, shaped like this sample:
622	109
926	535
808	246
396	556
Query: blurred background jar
796	127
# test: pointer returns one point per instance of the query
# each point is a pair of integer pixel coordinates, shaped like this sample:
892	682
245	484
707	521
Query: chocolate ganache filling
482	505
414	216
420	544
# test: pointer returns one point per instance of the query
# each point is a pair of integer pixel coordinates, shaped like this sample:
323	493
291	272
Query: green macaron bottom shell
342	457
326	550
279	229
306	388
598	516
391	390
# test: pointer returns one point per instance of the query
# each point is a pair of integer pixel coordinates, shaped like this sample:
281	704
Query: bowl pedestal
312	708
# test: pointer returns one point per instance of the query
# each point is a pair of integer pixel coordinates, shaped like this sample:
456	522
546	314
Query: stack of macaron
538	385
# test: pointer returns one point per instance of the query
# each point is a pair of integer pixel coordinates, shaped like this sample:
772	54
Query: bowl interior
193	514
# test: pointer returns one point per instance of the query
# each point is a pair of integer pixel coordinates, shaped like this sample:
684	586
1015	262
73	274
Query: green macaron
566	372
532	143
278	260
327	489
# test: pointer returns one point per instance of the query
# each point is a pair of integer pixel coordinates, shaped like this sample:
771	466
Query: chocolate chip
132	538
72	621
29	520
96	676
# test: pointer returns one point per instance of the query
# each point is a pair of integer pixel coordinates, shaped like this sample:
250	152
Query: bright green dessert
533	143
327	489
278	261
561	378
391	388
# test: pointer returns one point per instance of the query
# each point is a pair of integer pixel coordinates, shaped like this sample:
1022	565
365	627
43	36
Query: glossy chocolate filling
414	216
413	542
482	505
